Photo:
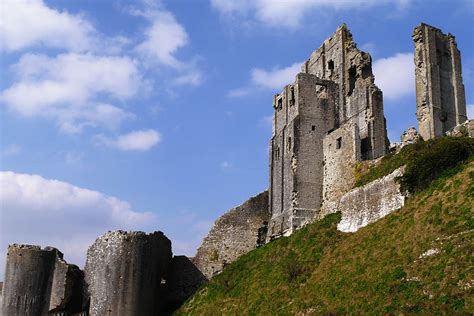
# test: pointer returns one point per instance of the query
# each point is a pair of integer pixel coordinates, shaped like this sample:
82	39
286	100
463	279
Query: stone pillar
124	271
28	280
440	96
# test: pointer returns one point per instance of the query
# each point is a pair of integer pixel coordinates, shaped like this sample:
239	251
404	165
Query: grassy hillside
418	259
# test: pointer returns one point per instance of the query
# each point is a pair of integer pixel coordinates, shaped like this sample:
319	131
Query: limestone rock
410	136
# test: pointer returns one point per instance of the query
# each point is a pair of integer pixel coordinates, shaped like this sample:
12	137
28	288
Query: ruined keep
440	99
325	124
327	120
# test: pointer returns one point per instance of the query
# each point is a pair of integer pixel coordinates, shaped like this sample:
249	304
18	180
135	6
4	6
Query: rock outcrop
235	233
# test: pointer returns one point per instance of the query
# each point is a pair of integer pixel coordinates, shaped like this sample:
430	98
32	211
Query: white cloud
290	14
27	23
395	75
67	88
470	111
163	38
192	78
274	79
46	212
134	141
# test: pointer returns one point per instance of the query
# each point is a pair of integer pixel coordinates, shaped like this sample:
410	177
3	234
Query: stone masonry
39	282
235	233
327	120
124	273
440	99
367	204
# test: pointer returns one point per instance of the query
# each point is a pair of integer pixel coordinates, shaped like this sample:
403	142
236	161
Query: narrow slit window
339	143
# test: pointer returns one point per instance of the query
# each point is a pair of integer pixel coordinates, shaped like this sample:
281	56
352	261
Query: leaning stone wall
367	204
234	234
124	271
38	281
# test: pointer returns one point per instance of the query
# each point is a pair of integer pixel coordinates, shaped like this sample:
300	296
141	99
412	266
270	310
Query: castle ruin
440	99
327	120
324	124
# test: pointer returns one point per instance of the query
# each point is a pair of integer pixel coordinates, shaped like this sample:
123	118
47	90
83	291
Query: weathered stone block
367	204
234	234
124	271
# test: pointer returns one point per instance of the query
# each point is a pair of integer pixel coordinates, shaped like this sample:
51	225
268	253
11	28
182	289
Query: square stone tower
327	120
440	98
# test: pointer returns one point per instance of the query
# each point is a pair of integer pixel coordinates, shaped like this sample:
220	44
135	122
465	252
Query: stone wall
464	129
234	234
124	272
367	204
334	92
182	281
341	152
39	282
440	97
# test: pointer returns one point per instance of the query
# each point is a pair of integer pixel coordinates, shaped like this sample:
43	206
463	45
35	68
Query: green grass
377	270
425	161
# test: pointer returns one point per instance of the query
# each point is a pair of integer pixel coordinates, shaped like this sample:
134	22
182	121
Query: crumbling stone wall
440	97
335	90
234	234
124	271
465	129
367	204
182	281
341	145
360	100
307	110
39	282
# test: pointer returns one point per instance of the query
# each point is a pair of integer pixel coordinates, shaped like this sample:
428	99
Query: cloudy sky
154	115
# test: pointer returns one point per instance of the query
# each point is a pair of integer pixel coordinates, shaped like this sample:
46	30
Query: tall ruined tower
327	120
440	99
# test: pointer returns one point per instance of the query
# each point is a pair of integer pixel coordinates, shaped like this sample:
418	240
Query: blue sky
154	115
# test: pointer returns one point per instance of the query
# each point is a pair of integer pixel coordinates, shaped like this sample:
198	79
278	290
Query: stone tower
440	99
327	120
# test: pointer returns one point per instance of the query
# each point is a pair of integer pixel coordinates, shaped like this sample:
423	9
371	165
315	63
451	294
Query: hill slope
419	258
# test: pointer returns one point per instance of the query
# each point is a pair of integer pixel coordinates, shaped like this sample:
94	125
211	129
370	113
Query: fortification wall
367	204
38	281
235	233
124	271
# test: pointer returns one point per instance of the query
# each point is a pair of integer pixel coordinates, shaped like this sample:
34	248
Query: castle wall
440	97
360	100
28	278
124	271
341	150
296	151
367	204
182	281
235	233
38	281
